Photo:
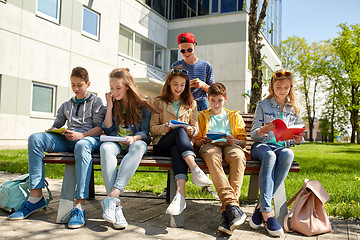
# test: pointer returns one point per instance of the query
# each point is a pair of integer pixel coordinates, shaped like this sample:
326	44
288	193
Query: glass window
48	9
173	56
126	42
147	51
215	6
203	8
43	99
90	23
228	6
159	57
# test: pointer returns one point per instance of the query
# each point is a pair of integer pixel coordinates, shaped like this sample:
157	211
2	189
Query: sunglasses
179	71
282	74
184	50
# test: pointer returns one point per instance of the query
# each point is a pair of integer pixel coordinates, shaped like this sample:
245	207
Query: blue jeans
39	143
108	153
275	165
176	144
201	104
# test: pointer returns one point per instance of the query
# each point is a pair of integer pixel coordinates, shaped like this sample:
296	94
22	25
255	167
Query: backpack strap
294	198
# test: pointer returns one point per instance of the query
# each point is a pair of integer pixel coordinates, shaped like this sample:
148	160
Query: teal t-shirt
219	123
273	140
176	106
78	101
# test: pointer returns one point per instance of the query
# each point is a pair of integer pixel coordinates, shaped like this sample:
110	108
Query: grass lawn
336	166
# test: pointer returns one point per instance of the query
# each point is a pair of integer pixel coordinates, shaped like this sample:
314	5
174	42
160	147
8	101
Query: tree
302	59
255	46
347	46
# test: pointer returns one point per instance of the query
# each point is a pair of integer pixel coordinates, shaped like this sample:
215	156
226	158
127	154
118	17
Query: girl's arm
193	122
156	126
143	133
108	121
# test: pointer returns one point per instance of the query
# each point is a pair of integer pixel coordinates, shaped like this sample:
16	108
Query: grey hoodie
81	117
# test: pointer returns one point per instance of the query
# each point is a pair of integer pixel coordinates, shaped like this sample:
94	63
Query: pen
261	121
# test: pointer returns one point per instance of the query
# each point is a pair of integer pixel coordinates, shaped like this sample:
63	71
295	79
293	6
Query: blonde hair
291	95
135	99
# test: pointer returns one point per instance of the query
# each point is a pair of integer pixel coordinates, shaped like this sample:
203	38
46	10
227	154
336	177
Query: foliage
347	47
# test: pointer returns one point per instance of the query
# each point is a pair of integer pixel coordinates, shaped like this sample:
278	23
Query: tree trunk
255	46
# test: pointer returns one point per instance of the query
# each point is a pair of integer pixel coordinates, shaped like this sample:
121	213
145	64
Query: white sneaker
177	205
200	179
120	222
109	205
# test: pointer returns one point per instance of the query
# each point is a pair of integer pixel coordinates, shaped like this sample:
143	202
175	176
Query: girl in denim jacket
276	157
127	115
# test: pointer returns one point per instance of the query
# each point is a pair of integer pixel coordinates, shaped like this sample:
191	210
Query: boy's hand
206	140
196	83
189	130
230	139
73	135
109	100
298	138
50	129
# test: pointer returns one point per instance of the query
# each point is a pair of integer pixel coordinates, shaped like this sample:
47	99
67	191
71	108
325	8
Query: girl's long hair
135	99
186	96
291	95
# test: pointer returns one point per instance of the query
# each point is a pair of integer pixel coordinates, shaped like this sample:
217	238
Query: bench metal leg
92	184
280	207
168	187
175	221
67	194
253	188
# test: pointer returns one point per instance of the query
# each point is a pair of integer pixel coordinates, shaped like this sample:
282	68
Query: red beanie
186	38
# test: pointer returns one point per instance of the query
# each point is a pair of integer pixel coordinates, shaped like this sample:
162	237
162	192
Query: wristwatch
238	142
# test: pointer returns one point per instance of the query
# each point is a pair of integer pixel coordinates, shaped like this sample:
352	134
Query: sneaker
177	205
120	221
77	218
273	228
224	225
235	216
200	179
109	205
256	219
27	208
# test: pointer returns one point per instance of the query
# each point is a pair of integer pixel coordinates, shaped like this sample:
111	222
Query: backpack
308	215
15	191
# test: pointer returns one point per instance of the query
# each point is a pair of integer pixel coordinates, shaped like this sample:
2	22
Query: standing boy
84	115
197	68
231	124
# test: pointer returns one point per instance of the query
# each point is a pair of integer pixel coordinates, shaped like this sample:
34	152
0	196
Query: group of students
133	116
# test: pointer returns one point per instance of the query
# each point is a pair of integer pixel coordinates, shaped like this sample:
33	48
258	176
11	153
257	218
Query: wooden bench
165	164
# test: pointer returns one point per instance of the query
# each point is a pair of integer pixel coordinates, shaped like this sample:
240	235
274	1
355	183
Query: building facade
41	41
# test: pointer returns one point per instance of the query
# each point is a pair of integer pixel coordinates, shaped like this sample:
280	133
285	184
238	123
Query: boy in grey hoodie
84	115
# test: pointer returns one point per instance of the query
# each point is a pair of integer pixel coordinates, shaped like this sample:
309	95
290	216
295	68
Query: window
49	10
43	99
159	59
90	23
126	42
173	56
141	48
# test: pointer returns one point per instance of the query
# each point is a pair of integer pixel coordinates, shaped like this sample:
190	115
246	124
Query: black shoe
224	225
235	216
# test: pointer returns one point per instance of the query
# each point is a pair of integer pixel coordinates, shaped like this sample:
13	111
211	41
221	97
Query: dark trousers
177	145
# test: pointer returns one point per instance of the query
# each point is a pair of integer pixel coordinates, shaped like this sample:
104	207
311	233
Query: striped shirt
201	69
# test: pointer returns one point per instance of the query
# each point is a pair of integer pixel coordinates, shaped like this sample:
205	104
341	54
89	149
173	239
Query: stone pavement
147	220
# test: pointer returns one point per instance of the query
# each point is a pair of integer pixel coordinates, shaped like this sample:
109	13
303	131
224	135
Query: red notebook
283	133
